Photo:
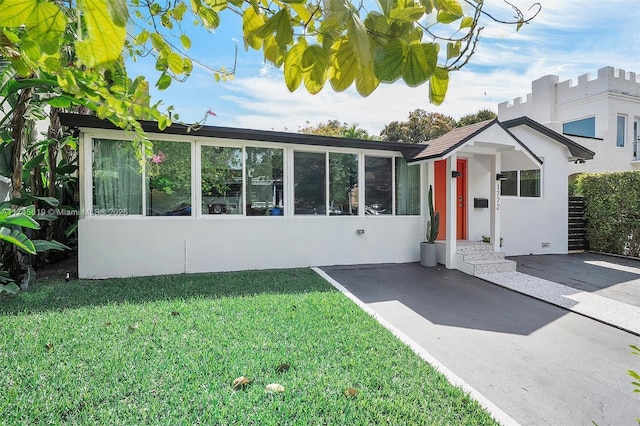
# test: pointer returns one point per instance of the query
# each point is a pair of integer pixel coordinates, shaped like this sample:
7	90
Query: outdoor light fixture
501	176
455	174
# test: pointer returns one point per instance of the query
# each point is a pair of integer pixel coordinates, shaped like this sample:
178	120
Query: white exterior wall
613	92
528	223
137	246
155	246
479	186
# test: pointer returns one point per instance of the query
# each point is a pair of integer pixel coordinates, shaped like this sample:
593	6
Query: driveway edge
499	415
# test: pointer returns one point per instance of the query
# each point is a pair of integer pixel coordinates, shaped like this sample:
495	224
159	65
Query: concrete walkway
601	287
527	362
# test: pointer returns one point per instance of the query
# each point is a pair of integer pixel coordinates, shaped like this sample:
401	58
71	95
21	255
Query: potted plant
428	253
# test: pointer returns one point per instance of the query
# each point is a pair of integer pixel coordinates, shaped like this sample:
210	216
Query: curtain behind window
117	178
407	188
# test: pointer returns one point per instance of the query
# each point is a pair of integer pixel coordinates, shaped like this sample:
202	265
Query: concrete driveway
539	363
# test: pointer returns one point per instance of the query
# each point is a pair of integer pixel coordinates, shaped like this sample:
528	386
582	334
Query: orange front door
440	198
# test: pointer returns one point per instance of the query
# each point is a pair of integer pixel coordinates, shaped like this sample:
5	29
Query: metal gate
577	225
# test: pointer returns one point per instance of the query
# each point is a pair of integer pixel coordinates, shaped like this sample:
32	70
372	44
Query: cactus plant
434	219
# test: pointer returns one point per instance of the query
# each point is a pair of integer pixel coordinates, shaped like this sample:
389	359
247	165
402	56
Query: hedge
612	211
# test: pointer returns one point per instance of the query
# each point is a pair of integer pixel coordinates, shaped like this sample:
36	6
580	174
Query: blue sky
569	38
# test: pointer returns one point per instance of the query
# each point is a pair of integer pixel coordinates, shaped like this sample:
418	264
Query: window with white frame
309	183
621	124
521	183
221	180
343	184
407	188
120	182
378	189
264	181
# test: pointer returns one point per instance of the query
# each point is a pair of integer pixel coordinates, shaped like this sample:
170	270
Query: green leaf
315	62
46	25
452	7
389	60
44	245
357	32
186	41
159	44
420	63
453	50
105	38
16	12
163	82
438	85
446	17
21	220
251	22
366	81
59	102
466	22
217	5
407	14
118	11
18	239
210	18
377	23
175	63
293	65
345	64
280	23
10	288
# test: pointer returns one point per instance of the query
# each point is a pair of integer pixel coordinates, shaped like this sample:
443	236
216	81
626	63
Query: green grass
165	350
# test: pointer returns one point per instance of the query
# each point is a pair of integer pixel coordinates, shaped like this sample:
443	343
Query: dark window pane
621	124
265	192
378	186
343	184
169	179
530	183
221	180
309	180
510	185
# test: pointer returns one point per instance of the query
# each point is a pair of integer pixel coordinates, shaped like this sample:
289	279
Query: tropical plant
433	223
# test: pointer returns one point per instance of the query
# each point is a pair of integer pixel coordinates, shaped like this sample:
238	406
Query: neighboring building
602	114
221	199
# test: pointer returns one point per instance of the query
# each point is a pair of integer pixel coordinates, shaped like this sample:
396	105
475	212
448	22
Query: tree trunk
18	134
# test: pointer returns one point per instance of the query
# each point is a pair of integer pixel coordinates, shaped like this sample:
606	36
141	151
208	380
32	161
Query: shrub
612	211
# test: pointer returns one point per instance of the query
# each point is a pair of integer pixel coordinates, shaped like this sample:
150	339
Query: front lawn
165	350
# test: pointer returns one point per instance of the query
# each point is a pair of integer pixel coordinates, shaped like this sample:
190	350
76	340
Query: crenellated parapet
549	89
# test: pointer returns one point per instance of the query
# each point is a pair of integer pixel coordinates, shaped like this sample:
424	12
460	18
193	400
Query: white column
494	202
452	204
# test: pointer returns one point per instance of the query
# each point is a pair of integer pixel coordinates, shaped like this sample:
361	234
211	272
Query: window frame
196	144
578	120
621	134
518	182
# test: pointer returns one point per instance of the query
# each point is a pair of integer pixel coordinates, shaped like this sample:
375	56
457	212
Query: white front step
475	258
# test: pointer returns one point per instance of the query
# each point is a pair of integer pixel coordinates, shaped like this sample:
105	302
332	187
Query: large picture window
378	185
117	178
169	179
221	171
264	182
309	180
407	188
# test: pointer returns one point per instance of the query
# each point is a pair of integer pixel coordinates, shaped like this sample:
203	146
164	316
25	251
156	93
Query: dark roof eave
576	150
89	121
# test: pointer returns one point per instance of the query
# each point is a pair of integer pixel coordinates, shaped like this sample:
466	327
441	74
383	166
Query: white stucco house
602	114
222	199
